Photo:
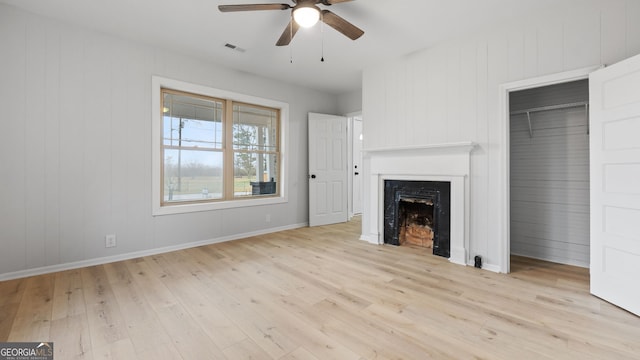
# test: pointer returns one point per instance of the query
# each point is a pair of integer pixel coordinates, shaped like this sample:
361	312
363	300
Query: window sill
210	206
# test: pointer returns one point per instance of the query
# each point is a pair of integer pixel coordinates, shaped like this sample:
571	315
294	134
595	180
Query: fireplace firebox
418	213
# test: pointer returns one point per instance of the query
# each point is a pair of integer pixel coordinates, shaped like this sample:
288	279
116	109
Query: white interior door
357	167
328	191
614	94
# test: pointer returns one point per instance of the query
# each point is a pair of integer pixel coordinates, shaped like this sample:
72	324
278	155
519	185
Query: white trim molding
464	147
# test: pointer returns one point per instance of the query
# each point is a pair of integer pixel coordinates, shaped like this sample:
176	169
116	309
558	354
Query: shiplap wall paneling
480	217
396	101
435	125
550	175
138	231
373	105
614	34
454	87
52	146
12	146
72	145
578	37
96	183
35	148
118	210
418	88
632	40
498	74
550	52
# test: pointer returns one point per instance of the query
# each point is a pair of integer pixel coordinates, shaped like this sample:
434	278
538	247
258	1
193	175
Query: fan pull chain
322	35
291	39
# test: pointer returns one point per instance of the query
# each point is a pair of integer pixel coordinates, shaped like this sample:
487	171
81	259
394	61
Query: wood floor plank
162	352
143	326
265	332
269	301
299	354
105	320
149	281
245	349
71	337
68	296
12	292
120	349
33	316
316	293
218	327
186	335
363	329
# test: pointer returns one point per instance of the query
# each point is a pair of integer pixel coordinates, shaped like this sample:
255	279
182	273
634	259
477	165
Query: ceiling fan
304	13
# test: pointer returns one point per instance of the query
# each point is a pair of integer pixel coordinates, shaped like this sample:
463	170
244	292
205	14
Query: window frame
159	207
233	151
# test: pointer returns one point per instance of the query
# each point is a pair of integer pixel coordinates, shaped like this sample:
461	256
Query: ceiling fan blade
252	7
331	2
348	29
288	33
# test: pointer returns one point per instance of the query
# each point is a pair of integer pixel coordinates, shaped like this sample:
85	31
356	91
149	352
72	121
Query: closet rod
551	107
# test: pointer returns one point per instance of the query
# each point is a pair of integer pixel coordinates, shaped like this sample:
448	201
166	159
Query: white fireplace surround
441	162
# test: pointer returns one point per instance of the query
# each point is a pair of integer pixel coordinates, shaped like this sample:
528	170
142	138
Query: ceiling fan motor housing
313	12
306	13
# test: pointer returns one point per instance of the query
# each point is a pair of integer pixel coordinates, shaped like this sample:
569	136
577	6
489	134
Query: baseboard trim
570	263
132	255
490	267
370	238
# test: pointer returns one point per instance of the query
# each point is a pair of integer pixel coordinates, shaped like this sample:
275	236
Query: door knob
357	173
313	176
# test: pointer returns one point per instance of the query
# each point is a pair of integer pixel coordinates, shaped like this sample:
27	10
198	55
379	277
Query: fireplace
449	163
418	213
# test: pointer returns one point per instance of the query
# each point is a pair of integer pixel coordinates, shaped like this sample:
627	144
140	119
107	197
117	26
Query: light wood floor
315	293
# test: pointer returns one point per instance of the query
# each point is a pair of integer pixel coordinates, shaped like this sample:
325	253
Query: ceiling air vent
234	47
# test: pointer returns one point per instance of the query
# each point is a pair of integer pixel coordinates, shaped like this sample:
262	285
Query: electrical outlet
267	218
110	241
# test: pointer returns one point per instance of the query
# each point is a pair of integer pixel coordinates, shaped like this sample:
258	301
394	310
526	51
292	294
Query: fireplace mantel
439	162
465	146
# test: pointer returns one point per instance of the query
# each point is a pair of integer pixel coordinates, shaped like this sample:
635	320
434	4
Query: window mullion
229	183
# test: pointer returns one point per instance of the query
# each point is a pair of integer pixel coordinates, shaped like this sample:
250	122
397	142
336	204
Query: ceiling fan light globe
306	16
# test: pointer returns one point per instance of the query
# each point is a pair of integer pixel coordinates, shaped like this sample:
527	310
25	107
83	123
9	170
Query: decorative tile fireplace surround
441	162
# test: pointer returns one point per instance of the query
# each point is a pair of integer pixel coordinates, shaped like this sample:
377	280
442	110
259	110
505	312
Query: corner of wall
350	102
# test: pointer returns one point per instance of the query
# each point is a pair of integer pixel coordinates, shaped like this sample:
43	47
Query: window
193	150
255	150
215	149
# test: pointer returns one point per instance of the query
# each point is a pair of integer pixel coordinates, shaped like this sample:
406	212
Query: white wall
449	93
75	155
350	102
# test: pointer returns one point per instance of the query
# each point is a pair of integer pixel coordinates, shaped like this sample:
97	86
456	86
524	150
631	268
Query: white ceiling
392	28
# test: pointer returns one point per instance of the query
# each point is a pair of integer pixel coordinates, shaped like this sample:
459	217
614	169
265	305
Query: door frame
504	214
350	118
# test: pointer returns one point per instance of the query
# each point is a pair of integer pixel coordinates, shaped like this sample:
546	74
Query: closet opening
549	173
